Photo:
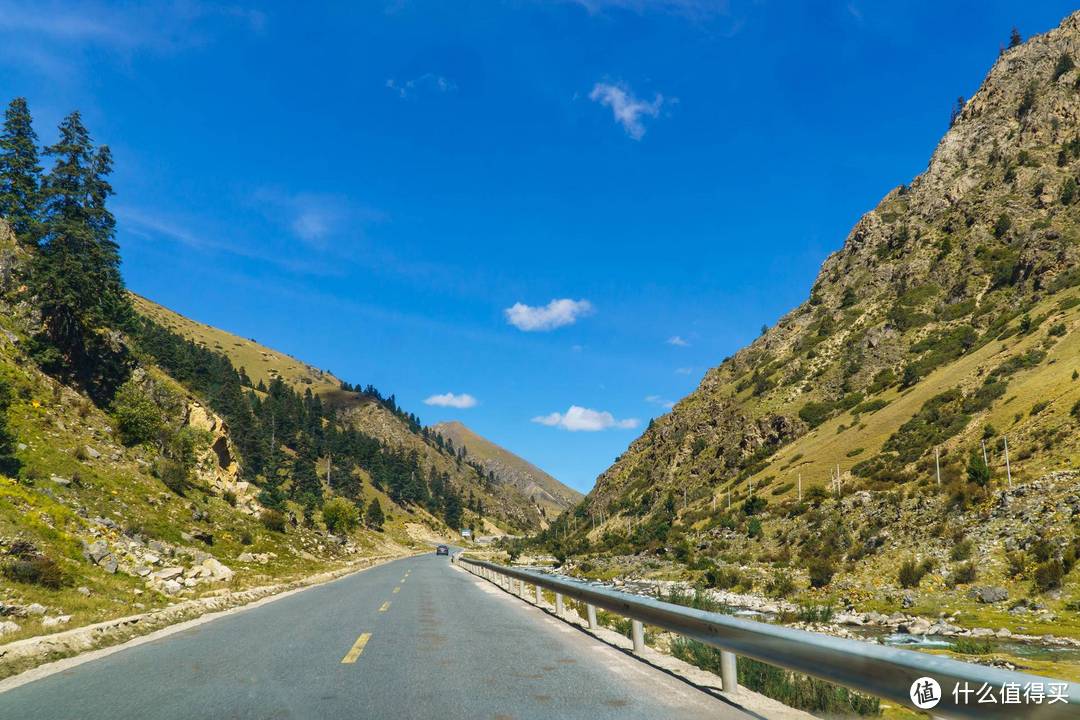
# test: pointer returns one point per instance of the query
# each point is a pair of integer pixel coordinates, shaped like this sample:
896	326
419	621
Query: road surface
414	638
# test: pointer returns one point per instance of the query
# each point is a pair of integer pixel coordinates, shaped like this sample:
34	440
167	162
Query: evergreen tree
1014	38
75	276
452	514
20	173
373	518
306	488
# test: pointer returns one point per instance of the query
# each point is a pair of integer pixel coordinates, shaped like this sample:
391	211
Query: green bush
912	573
1048	575
138	418
821	571
965	573
780	585
35	570
273	520
962	550
970	646
340	516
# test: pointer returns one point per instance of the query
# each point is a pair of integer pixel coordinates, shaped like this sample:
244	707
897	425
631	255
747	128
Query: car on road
442	550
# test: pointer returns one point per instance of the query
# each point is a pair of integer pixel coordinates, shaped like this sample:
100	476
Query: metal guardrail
877	670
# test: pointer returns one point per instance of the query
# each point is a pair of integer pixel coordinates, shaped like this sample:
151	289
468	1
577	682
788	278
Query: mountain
503	500
550	495
946	323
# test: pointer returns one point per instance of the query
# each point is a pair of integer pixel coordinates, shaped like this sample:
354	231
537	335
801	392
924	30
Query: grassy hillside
547	493
807	464
500	501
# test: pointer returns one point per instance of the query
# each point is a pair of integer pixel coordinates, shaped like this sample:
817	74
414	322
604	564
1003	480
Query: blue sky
566	211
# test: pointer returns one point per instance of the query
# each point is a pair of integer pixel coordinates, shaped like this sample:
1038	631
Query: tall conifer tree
20	173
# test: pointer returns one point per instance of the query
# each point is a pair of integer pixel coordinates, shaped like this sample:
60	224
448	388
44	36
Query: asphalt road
415	638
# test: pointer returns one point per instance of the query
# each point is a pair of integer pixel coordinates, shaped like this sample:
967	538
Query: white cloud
428	82
683	371
580	419
315	218
677	341
627	109
548	317
657	400
462	401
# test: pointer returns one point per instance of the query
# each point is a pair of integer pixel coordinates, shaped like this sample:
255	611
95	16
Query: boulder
96	550
83	590
8	626
989	594
217	570
169	573
108	564
171	587
91	452
62	481
35	609
141	570
908	599
54	621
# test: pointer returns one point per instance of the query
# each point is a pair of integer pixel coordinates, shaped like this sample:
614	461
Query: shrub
965	573
176	476
1064	64
962	550
814	413
723	578
753	528
1048	575
911	573
229	497
753	505
1056	330
970	646
977	471
273	520
341	516
780	585
138	418
1039	407
821	571
246	537
35	570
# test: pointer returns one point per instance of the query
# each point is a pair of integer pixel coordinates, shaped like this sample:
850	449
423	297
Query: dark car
442	550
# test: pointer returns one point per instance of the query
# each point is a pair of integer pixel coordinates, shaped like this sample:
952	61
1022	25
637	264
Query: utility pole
985	461
800	487
329	462
937	464
1008	470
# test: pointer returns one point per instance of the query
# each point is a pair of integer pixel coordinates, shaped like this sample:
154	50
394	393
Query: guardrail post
558	604
637	633
590	610
539	596
729	674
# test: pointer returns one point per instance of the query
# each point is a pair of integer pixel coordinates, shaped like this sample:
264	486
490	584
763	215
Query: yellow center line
356	649
385	606
397	589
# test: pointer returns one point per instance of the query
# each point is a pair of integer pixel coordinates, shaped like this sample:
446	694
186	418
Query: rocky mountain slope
547	493
502	500
843	450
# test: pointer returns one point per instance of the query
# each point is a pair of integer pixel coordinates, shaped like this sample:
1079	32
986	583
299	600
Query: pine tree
1014	38
20	173
373	518
64	276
